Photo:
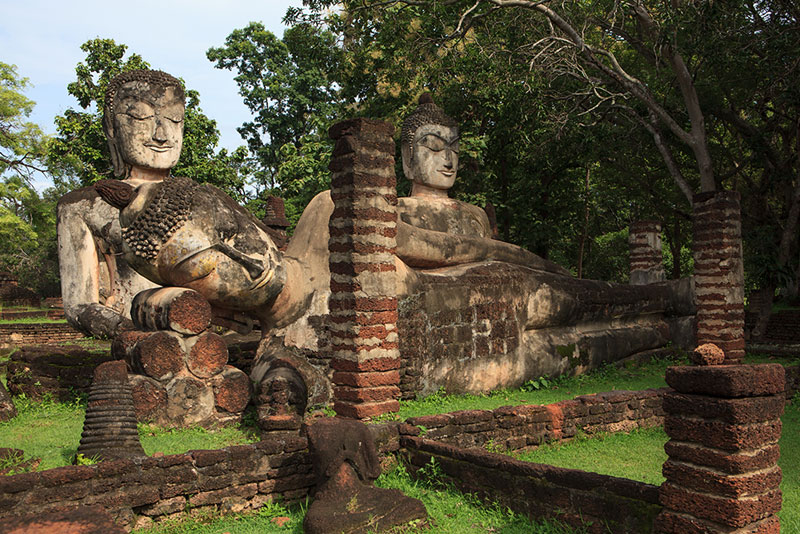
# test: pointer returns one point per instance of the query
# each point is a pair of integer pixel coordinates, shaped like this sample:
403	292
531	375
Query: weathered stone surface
149	398
728	380
7	408
208	355
345	463
83	520
171	308
60	371
160	355
707	354
231	390
109	428
189	401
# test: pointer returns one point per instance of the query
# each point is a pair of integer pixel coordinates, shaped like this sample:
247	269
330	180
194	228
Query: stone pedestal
722	473
180	373
647	266
719	272
362	245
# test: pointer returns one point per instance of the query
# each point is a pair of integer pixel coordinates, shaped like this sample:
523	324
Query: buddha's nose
448	158
160	133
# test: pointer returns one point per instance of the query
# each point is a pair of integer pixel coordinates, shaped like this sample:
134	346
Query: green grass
629	377
617	454
178	440
52	431
639	455
31	320
46	429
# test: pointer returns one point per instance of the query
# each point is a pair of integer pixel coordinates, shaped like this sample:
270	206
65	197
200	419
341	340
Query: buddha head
143	121
429	149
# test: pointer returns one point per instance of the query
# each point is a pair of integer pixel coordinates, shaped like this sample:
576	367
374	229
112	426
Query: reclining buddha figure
531	314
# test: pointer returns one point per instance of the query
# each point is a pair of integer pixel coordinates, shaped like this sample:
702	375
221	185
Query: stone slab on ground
83	520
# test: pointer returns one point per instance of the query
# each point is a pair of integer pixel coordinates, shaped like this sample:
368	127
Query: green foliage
290	86
21	142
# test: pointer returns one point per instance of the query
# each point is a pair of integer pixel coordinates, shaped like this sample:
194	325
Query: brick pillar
719	273
647	266
722	473
363	302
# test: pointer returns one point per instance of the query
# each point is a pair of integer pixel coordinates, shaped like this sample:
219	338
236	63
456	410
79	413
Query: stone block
159	355
721	435
736	411
732	512
364	410
231	390
728	381
208	355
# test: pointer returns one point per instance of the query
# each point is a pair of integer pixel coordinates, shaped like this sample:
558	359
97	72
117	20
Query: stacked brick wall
60	371
517	427
37	334
719	272
539	491
138	491
783	327
646	262
7	315
363	302
722	473
434	329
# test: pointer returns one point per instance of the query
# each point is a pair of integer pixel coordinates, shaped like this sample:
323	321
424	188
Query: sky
43	38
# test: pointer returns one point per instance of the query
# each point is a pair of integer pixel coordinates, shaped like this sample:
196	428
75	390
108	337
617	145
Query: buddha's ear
116	158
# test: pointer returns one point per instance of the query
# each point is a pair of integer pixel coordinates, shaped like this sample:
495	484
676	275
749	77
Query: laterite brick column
647	266
722	473
363	301
719	273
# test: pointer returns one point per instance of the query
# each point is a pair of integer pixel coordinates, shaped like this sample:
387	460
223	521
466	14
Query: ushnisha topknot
427	112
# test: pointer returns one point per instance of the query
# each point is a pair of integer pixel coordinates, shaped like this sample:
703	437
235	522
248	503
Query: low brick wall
137	492
783	327
37	334
599	502
7	315
517	427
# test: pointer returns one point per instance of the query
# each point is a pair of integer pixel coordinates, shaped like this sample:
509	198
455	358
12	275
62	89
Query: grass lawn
640	455
52	431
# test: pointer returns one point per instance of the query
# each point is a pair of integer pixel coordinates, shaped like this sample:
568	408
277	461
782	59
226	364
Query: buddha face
435	160
148	125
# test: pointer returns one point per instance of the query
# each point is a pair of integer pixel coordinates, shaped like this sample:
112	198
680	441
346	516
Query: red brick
374	364
362	411
704	480
733	463
363	214
365	318
722	435
368	379
740	411
669	522
361	128
368	304
734	512
728	380
381	393
361	248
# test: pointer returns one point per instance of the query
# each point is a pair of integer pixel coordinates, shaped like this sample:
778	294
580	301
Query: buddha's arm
79	268
422	248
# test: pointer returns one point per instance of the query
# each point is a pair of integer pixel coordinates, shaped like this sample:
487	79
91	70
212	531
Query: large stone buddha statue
143	123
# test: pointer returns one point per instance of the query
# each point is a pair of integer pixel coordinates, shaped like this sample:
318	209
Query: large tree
291	87
21	141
